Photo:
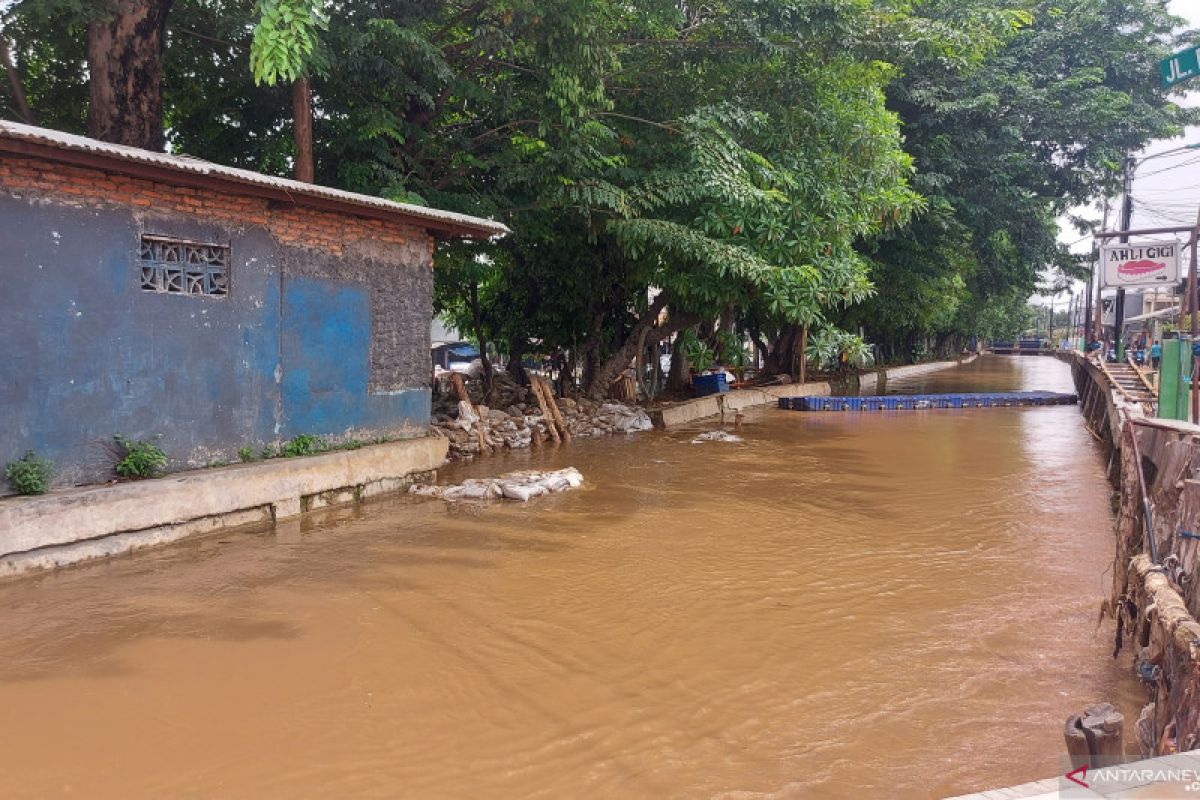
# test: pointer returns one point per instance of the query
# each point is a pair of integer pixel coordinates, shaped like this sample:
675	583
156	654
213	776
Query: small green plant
29	474
304	444
699	356
138	458
246	453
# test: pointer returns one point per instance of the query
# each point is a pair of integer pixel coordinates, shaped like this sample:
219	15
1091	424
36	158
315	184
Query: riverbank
517	422
81	524
1155	592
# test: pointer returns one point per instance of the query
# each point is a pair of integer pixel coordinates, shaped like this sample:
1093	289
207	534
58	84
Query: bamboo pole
555	411
536	386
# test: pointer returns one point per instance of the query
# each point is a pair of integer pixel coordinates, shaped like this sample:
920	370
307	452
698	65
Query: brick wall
325	328
379	254
304	227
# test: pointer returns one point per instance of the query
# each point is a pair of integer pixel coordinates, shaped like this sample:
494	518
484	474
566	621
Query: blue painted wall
326	342
86	353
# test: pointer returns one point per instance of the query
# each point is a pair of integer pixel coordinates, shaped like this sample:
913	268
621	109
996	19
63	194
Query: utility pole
1126	219
1071	311
1050	323
1191	304
1088	331
1097	322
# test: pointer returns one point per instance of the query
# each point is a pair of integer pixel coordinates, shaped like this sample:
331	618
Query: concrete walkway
1176	776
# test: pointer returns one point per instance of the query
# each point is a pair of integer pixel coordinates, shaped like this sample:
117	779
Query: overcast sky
1166	189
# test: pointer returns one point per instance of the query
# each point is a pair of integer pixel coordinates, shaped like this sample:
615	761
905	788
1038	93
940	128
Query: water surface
896	604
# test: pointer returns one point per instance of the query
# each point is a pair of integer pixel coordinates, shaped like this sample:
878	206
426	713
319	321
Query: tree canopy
794	171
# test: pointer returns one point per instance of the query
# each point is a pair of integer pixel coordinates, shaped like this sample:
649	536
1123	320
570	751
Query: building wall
325	329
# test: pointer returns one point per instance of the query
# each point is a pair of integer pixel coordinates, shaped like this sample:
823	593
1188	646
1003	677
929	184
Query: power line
1165	215
1170	190
1189	162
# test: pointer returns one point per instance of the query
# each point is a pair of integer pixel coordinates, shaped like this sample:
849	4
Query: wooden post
536	386
460	390
1095	737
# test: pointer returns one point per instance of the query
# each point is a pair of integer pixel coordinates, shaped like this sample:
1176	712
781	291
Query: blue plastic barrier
900	402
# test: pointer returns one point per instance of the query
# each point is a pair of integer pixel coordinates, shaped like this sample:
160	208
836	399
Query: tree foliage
786	169
1005	139
285	39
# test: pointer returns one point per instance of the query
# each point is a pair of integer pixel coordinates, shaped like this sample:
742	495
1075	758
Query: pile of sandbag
520	425
716	436
523	486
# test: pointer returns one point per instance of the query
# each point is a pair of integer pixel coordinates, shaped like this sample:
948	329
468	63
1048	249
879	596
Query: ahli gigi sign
1140	264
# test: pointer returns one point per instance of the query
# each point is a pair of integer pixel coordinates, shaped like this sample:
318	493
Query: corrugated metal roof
195	166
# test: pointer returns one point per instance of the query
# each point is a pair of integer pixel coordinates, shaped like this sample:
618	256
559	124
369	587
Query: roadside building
153	295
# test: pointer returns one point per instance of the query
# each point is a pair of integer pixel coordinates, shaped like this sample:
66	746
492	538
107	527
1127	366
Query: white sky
1166	190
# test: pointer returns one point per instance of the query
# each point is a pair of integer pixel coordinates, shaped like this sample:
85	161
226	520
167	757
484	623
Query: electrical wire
1189	162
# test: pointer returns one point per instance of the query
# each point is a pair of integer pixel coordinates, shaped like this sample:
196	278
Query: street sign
1141	264
1179	67
1108	312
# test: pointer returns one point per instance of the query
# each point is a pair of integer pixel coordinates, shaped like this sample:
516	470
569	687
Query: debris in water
716	436
521	486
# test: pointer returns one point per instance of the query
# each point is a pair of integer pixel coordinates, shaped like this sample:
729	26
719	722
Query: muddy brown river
844	606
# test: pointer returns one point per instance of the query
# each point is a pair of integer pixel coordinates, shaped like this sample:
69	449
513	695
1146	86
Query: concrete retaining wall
892	373
75	525
702	407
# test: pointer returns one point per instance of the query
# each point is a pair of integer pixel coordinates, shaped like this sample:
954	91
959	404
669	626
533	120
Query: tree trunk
565	363
643	332
679	377
124	55
14	82
302	129
781	358
603	374
804	354
477	326
588	357
514	367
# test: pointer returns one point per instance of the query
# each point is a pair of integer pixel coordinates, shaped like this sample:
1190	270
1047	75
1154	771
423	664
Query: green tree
1006	138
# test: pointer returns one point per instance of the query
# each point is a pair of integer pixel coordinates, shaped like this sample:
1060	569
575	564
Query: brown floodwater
843	606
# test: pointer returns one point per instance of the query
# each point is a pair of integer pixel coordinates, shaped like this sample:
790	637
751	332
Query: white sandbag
521	485
716	436
521	491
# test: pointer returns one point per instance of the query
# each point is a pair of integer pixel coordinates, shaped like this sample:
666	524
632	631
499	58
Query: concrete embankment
79	524
1155	595
75	525
669	416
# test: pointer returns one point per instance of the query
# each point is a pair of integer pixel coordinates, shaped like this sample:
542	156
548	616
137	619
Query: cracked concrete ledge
74	525
715	404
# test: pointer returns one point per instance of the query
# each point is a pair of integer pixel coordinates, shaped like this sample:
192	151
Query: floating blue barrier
897	402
